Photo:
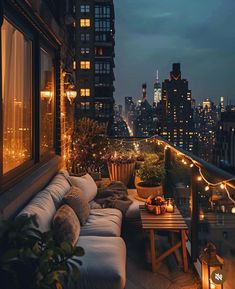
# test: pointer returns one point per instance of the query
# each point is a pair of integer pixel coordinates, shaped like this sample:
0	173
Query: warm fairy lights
187	160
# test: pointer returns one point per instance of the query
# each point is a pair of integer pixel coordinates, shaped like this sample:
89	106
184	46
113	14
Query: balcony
205	198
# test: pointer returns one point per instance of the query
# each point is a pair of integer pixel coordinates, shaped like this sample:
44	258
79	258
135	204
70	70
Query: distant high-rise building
157	91
225	141
144	91
206	120
178	123
128	103
222	105
95	60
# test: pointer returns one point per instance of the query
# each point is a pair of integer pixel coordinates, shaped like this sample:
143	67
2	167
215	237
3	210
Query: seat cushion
66	226
86	184
58	187
77	200
104	263
43	207
103	222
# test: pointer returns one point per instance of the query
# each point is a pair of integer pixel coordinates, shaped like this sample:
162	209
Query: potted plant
30	259
121	165
149	176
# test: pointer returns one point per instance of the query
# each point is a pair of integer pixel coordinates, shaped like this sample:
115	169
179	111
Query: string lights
187	160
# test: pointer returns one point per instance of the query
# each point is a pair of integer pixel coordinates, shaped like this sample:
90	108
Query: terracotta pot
145	192
121	171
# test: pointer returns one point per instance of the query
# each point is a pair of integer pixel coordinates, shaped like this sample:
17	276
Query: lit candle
170	206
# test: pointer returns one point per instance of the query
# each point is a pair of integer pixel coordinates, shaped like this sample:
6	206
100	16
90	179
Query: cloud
155	33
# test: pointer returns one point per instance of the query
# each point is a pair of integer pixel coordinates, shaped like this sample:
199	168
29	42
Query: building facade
37	55
95	60
157	91
177	119
206	120
225	141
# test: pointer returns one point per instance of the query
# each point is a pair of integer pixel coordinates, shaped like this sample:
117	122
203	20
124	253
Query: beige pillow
86	184
77	200
66	226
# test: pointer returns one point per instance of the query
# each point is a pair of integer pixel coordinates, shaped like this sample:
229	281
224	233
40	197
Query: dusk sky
152	34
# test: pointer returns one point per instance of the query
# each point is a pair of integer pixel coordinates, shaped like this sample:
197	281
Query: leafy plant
30	259
151	171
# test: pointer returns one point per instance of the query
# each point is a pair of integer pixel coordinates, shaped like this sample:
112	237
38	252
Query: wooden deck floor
169	275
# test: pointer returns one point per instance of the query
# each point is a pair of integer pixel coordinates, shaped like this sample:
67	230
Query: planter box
121	171
145	192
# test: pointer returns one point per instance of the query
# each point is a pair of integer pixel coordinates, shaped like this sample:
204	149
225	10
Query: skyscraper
178	124
95	60
206	119
157	91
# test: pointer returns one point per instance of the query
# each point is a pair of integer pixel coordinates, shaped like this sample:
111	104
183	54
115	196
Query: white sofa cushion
104	263
58	187
86	184
43	207
103	222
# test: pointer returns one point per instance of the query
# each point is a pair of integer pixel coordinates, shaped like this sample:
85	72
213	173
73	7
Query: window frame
15	175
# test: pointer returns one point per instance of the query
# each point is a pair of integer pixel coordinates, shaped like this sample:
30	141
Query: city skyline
151	36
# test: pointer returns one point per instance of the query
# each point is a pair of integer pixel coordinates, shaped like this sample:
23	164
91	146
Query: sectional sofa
104	262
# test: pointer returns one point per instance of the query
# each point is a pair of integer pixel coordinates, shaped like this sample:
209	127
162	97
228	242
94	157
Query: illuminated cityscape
117	144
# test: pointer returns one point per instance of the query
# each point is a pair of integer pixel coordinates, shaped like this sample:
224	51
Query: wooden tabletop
167	221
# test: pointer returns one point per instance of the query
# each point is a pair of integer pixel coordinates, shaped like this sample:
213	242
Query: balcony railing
202	192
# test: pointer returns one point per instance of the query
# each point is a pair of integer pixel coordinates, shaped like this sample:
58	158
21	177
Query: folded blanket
115	196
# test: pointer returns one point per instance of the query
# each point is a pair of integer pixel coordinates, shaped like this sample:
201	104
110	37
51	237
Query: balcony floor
169	274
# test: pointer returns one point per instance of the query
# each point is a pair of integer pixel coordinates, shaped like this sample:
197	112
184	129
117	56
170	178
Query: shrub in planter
150	176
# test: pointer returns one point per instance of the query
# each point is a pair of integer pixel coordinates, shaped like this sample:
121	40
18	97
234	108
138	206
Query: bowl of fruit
156	204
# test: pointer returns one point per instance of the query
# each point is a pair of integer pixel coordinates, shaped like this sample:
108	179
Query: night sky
152	34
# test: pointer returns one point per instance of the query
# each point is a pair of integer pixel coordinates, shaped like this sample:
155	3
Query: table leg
184	250
152	249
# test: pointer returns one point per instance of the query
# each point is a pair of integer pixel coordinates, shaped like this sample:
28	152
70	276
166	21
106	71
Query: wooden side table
172	222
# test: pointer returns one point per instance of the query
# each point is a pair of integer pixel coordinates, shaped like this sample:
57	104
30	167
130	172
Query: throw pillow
77	200
66	226
86	184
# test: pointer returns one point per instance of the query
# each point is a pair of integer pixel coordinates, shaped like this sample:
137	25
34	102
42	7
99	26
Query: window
101	37
102	67
85	65
85	37
102	25
47	92
85	22
102	11
16	97
85	8
85	91
84	105
85	50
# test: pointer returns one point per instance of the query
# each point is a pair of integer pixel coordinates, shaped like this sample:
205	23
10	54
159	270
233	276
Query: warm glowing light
192	165
199	178
233	210
222	186
207	188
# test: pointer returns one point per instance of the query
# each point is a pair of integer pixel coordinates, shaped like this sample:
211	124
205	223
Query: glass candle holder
170	206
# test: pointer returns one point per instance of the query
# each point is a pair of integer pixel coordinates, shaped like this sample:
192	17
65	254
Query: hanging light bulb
233	210
192	165
199	178
207	188
222	186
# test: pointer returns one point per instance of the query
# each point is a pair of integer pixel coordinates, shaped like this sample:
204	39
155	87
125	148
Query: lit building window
85	92
85	65
85	22
74	65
